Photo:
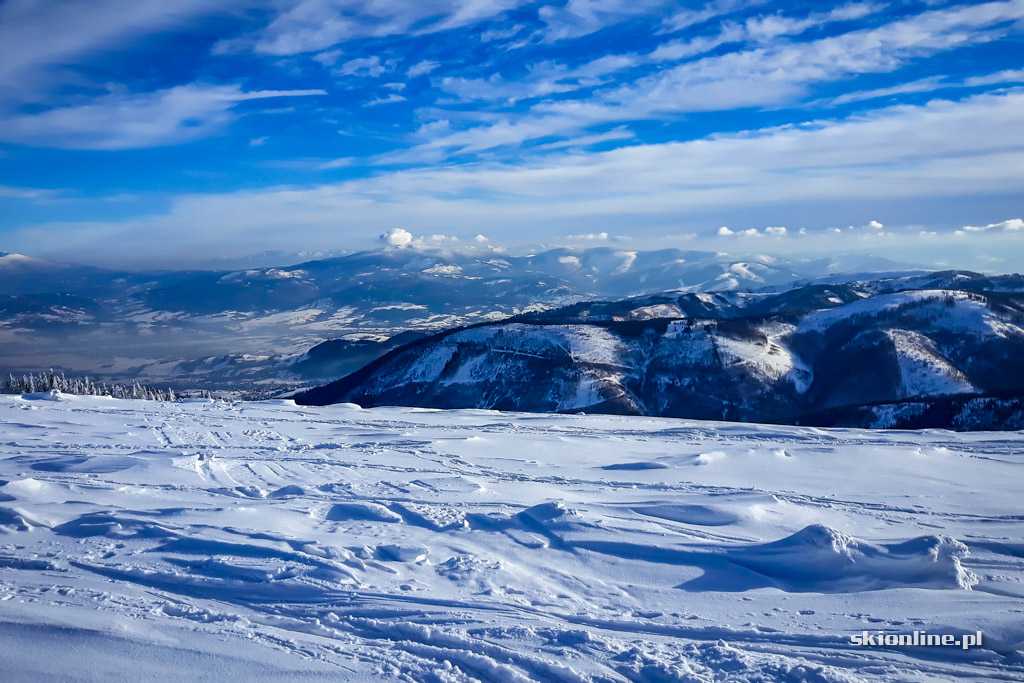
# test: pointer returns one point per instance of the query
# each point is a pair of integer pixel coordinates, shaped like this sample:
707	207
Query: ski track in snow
205	540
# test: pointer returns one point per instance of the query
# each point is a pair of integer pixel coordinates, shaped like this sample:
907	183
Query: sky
147	133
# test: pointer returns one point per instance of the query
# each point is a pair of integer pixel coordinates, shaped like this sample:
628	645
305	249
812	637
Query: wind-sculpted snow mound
371	512
819	558
267	541
13	519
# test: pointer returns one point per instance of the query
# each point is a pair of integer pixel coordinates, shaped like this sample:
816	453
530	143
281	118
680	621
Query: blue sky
144	132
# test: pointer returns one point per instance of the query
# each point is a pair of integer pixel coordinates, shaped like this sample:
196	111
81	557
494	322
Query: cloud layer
248	125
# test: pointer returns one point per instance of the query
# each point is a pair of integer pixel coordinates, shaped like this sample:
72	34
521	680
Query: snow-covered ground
264	541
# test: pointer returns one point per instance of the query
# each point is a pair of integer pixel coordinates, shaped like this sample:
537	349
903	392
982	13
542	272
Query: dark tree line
83	386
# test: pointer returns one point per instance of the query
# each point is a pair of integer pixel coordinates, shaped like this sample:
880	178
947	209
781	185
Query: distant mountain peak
819	353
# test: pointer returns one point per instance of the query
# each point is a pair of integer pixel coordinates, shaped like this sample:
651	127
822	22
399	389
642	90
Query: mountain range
266	326
941	349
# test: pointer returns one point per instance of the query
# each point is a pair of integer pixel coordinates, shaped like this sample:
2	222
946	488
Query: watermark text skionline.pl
916	639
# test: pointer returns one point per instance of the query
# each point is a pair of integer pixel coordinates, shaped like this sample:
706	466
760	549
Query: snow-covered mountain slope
924	371
248	327
779	357
263	541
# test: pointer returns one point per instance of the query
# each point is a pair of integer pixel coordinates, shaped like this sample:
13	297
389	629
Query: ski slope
206	540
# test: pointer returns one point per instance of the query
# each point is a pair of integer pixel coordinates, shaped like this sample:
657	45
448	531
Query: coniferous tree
52	381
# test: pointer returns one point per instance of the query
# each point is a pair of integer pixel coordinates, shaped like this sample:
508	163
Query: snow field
204	540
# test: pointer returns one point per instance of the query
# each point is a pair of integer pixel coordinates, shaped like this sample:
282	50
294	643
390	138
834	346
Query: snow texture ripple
206	540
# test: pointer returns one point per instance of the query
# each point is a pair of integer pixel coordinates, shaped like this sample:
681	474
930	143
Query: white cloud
582	17
442	141
1011	225
770	26
923	85
421	68
315	25
581	141
438	239
544	78
930	84
921	158
588	237
365	66
875	225
571	261
941	148
781	72
676	50
129	121
1006	76
772	74
772	231
397	237
38	35
494	34
547	78
8	192
712	10
390	99
328	57
496	88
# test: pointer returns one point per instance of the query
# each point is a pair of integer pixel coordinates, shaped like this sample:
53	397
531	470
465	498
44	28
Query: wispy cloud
768	76
27	193
582	17
315	25
761	76
365	66
915	156
688	17
770	26
588	237
1005	76
578	116
389	99
421	68
1011	225
126	121
615	134
930	84
35	35
545	78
